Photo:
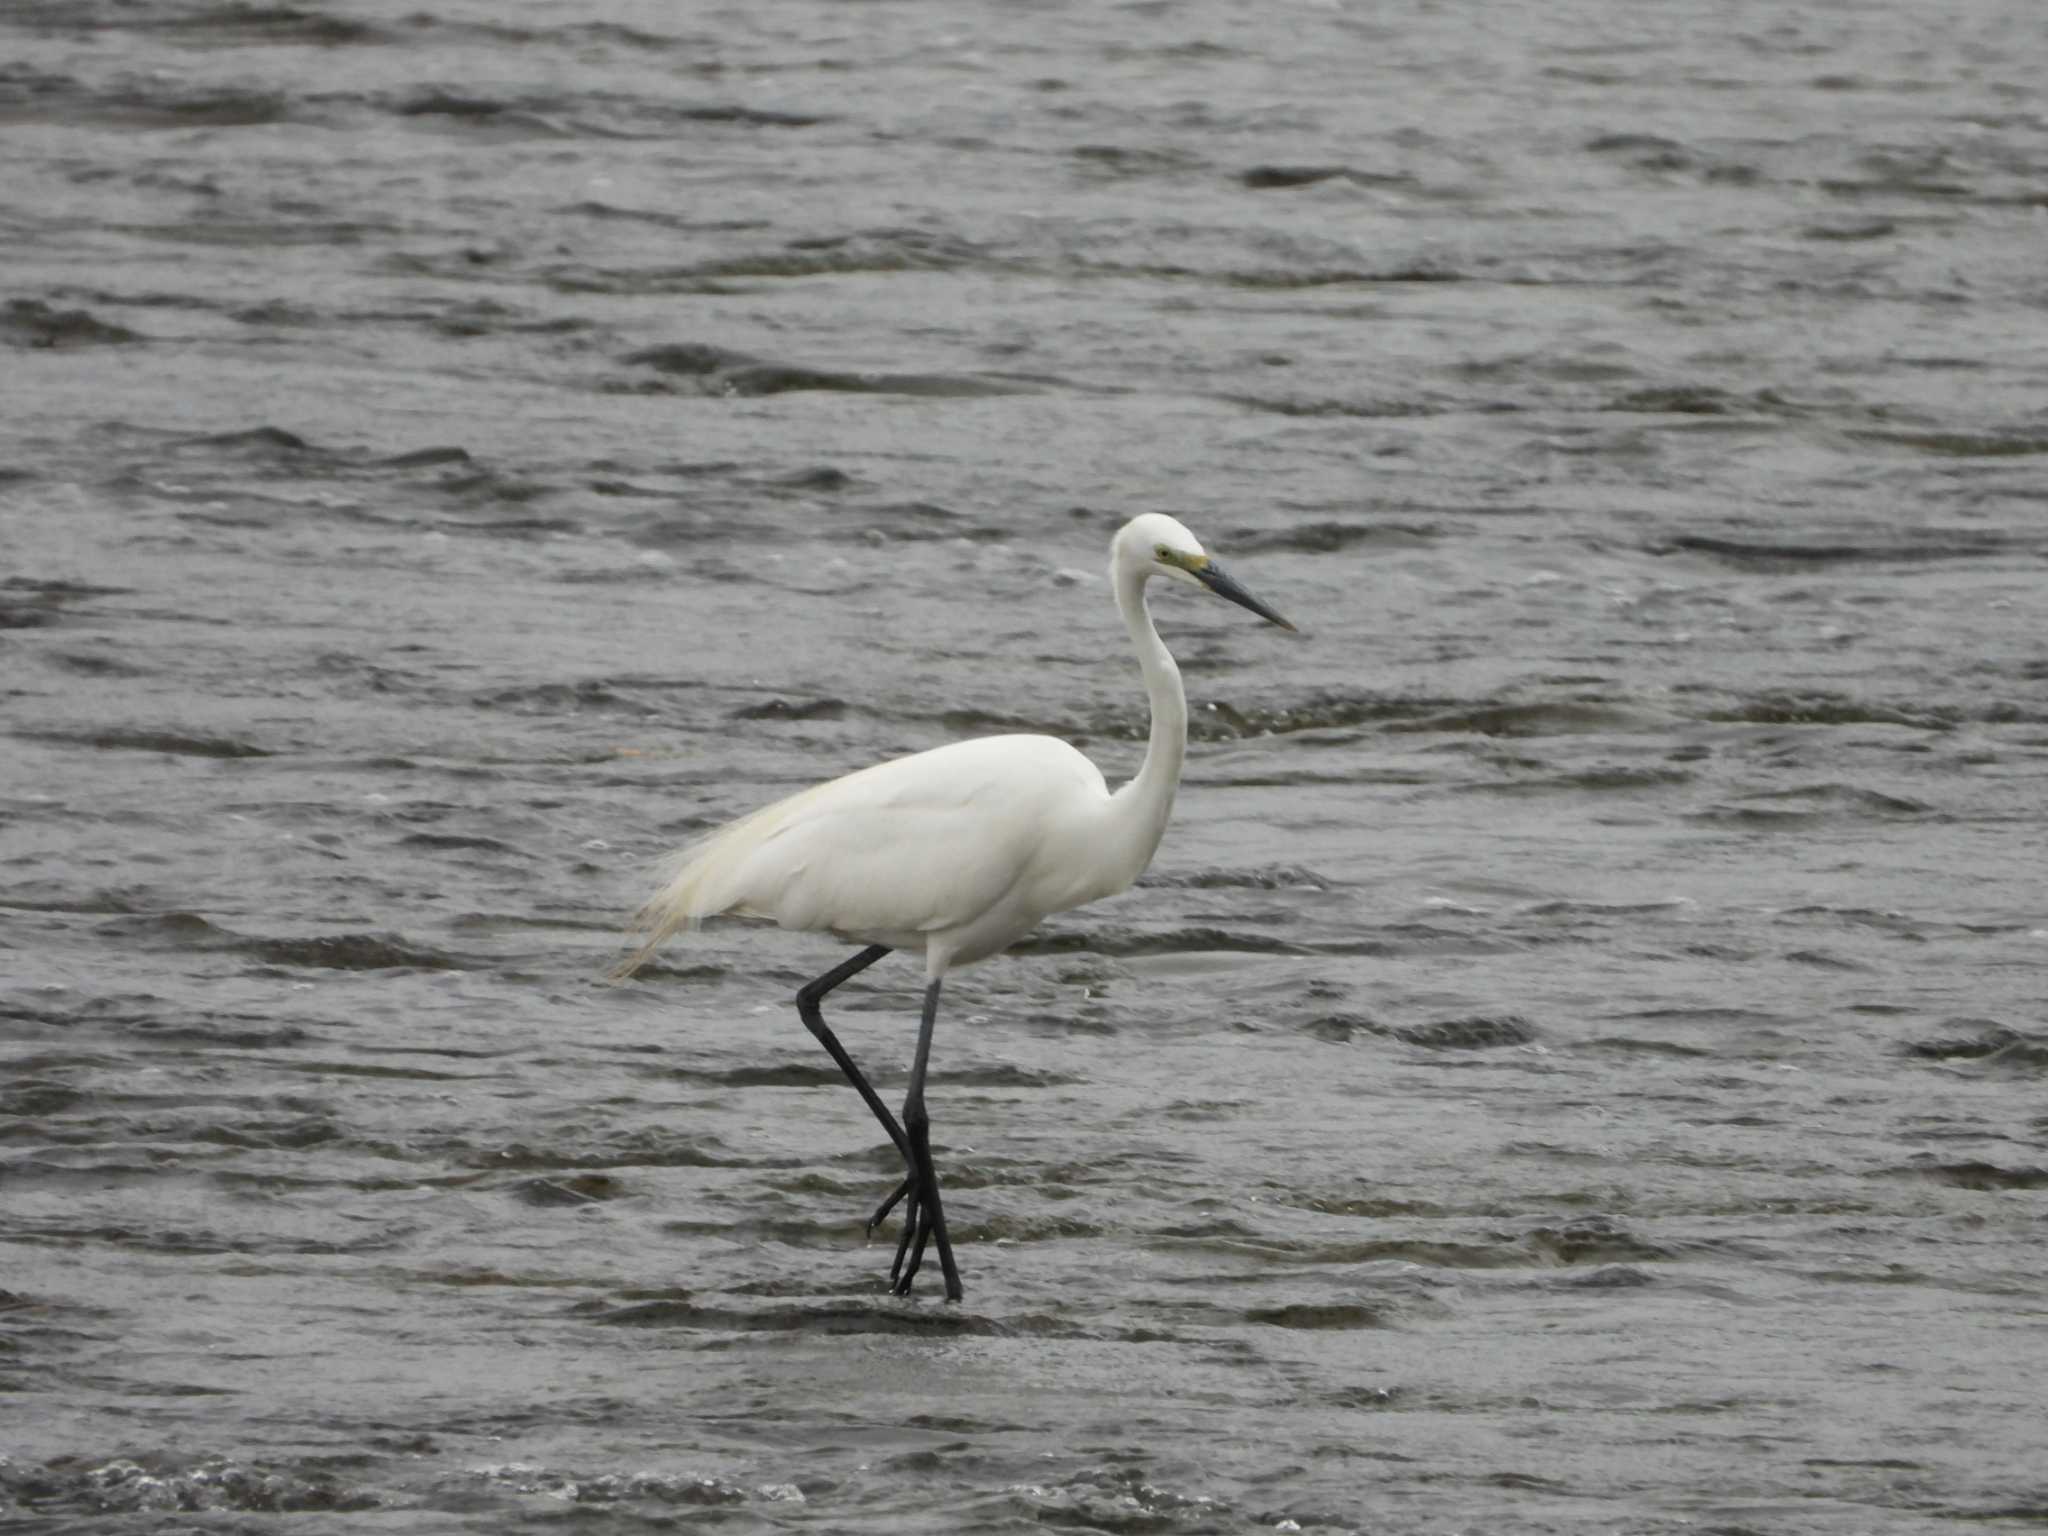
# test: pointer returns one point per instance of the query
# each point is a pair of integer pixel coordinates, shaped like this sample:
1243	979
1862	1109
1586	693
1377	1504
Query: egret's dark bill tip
1217	580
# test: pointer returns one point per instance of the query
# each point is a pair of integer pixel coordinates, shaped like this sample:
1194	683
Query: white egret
956	852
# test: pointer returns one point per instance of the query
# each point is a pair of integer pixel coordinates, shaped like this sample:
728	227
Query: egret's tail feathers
704	880
654	925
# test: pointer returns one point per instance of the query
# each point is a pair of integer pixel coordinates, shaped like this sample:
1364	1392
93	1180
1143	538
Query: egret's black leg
928	1218
807	1000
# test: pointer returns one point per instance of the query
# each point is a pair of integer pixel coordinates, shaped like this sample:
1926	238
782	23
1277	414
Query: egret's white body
957	852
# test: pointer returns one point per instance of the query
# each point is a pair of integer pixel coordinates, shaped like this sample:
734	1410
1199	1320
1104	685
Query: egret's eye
1163	553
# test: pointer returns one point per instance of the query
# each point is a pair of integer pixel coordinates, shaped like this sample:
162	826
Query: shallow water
1576	1062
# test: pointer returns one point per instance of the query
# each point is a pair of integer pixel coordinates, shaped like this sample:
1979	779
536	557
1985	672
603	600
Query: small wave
1634	1045
1222	721
875	250
1852	798
352	952
224	1032
1962	445
1011	1228
1134	941
41	1099
1280	279
1816	708
234	24
44	604
344	951
1594	1240
1342	1028
1124	1502
590	696
84	663
1420	715
32	323
1856	230
1322	406
1600	909
1975	1173
577	1190
819	477
1774	555
884	251
649	1488
984	722
450	842
1477	1033
426	458
1322	1317
1287	178
596	114
1326	538
185	1240
824	1319
1649	151
718	371
643	1149
446	472
439	101
1611	1277
669	970
159	100
292	1135
1991	1047
171	743
161	1485
591	208
1123	162
260	442
783	709
1989	1040
1665	158
276	25
1692	400
1813	803
1265	877
1611	780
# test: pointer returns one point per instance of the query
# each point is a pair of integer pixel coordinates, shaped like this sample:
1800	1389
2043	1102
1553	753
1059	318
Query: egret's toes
912	1221
923	1227
887	1206
916	1263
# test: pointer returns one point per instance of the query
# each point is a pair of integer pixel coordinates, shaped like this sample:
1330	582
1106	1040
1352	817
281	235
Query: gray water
1576	1062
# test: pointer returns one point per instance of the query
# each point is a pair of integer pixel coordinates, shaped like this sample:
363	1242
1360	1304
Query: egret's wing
915	845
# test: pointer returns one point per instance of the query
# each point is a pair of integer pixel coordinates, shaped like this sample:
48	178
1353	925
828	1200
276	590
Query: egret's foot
924	1219
888	1205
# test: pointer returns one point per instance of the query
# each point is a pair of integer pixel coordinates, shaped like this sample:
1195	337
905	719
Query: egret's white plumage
955	851
959	851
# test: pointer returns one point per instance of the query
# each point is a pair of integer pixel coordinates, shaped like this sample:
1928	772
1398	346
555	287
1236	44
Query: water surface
1576	1062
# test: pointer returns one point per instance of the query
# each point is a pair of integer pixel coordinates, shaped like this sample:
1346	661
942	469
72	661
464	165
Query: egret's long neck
1142	806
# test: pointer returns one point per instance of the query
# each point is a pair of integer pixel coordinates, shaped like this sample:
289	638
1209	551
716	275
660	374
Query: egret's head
1154	544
